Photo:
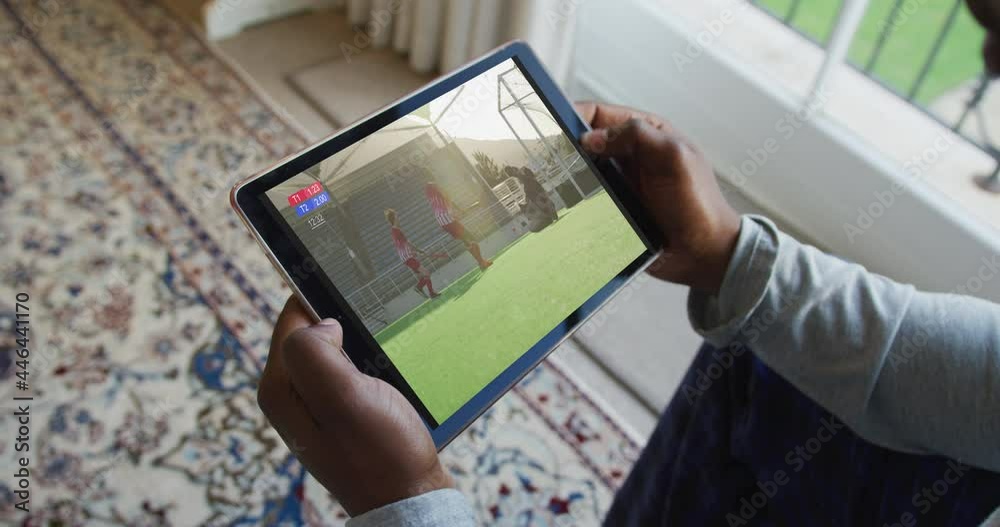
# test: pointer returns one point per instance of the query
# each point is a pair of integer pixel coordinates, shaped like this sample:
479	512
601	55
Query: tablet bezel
323	299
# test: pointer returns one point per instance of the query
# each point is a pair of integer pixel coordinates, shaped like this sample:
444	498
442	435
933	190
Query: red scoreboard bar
304	194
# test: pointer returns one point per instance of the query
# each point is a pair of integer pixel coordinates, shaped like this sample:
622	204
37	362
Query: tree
555	148
564	146
488	168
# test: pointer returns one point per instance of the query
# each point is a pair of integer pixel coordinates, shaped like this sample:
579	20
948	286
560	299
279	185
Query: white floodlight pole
554	153
501	111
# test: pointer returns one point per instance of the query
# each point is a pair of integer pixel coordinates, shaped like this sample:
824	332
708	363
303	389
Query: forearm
909	370
441	507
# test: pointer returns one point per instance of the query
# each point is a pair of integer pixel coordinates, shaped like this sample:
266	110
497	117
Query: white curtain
441	35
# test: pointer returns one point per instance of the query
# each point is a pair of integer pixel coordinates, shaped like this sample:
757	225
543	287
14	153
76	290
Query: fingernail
594	140
328	322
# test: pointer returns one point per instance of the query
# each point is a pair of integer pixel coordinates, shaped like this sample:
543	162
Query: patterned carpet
151	308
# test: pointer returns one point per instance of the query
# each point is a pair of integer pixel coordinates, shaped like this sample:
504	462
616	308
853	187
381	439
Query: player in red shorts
408	254
443	208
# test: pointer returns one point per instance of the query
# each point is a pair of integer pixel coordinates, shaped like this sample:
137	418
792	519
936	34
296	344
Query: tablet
458	234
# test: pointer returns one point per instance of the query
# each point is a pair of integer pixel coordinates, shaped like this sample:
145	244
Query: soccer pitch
909	43
450	348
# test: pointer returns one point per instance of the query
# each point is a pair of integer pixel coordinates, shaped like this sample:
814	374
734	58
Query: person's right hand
676	184
357	435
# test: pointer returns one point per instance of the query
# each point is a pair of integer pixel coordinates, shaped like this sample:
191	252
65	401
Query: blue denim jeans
739	445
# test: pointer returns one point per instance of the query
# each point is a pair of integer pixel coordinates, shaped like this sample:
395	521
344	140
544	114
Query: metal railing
511	195
369	300
910	92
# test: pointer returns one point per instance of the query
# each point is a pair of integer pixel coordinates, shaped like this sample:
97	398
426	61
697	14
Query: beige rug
151	308
342	89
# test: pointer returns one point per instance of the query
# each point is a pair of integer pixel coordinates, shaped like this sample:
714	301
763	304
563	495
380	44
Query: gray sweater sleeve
912	371
438	508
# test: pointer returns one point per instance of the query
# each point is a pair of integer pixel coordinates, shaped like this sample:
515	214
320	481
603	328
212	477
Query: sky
472	115
474	112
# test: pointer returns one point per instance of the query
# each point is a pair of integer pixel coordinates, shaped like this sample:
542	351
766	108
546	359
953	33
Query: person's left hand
357	435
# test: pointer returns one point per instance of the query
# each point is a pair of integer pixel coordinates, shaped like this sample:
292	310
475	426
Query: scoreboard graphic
308	199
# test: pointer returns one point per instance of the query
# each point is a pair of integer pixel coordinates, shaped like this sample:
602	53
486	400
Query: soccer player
443	213
408	253
538	207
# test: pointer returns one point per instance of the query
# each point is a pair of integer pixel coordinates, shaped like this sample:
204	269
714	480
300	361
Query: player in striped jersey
444	214
408	254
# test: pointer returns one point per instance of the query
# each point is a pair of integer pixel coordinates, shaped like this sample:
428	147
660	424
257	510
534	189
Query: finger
293	316
276	397
664	266
618	140
287	413
586	110
320	372
601	115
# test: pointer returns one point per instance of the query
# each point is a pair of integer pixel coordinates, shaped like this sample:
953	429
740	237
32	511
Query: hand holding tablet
451	280
458	235
357	435
370	443
676	184
415	454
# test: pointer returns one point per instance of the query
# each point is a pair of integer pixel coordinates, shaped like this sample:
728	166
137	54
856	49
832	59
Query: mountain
503	151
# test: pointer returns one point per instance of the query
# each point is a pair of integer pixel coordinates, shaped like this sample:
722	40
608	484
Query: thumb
328	330
619	140
317	367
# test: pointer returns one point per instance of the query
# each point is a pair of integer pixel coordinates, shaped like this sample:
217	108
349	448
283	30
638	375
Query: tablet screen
461	234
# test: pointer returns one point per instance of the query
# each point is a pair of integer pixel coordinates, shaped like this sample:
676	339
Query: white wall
225	18
816	178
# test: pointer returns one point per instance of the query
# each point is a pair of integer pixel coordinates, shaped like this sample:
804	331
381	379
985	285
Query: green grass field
449	348
908	45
